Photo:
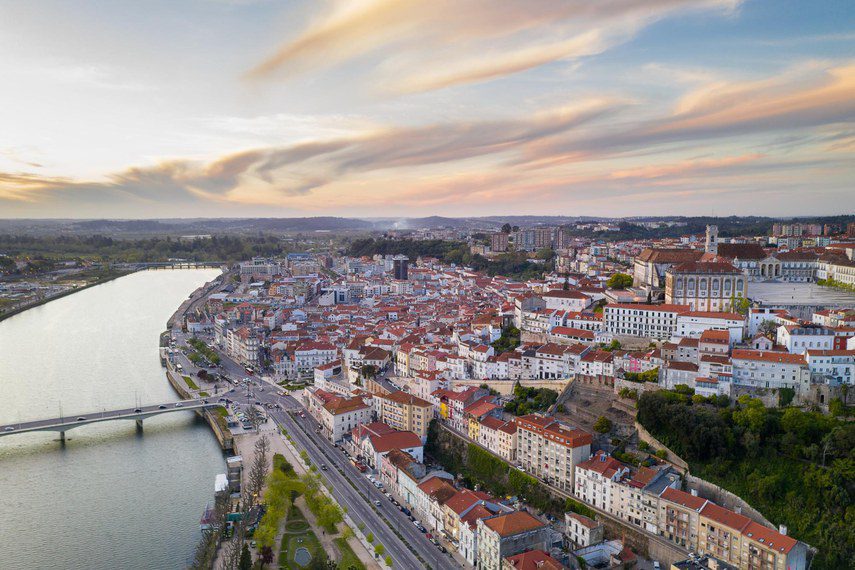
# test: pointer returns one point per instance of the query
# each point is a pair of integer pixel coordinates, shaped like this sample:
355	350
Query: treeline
796	467
513	265
103	248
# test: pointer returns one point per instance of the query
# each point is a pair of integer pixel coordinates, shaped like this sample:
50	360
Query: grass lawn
190	384
293	540
348	557
203	394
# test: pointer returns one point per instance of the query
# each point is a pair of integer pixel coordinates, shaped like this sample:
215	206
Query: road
350	488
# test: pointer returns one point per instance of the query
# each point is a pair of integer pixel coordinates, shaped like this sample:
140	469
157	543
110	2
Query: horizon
248	108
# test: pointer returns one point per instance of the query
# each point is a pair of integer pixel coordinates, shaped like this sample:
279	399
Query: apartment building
647	321
242	344
838	365
551	450
736	539
679	515
583	531
506	534
770	369
405	412
693	324
797	339
337	414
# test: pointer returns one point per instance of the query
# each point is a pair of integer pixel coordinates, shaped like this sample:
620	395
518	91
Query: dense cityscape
410	285
614	403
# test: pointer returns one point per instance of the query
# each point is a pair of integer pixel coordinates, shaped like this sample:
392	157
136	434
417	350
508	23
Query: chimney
694	492
782	529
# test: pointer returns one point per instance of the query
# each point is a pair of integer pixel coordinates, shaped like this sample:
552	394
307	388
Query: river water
111	498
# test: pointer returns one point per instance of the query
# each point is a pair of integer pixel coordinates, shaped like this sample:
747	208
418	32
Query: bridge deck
72	421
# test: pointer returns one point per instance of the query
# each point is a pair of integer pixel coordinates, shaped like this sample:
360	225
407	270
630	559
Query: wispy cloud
422	46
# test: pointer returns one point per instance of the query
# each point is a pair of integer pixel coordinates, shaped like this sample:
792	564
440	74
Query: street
348	486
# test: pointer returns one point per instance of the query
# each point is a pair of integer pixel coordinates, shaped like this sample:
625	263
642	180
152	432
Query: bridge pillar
62	437
139	425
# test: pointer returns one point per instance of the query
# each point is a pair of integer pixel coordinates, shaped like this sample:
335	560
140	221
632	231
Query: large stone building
704	286
650	266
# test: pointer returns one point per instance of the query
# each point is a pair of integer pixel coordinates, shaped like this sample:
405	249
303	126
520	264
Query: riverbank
40	302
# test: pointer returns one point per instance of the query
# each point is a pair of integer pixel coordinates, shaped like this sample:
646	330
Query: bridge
65	423
174	264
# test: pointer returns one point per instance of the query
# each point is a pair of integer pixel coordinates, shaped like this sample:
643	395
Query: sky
375	108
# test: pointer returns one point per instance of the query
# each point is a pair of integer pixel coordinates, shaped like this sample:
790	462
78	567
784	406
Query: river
111	498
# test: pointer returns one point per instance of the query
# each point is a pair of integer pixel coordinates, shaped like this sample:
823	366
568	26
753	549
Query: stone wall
769	396
639	387
724	498
672	458
506	387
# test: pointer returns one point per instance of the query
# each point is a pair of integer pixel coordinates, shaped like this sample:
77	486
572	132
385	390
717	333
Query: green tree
619	281
603	425
370	538
740	304
245	562
769	328
836	407
379	549
388	561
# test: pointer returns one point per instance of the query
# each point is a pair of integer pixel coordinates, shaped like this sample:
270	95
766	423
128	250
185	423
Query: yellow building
405	412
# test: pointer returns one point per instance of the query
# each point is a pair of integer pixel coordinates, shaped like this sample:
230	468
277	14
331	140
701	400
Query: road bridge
66	422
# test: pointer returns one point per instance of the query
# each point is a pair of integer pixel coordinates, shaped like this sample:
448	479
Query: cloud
422	46
802	98
721	137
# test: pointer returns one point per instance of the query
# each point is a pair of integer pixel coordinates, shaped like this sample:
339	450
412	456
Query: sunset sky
201	108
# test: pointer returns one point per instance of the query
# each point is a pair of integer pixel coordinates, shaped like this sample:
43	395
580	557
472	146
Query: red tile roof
509	524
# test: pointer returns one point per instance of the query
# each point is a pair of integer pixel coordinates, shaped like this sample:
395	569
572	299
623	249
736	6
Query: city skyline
386	108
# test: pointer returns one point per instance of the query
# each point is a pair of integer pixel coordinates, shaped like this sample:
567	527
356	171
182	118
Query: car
9	428
416	523
323	467
376	502
161	407
204	401
656	565
179	405
252	544
137	411
434	541
81	418
443	549
429	536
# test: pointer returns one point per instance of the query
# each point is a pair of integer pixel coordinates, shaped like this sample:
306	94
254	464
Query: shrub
603	425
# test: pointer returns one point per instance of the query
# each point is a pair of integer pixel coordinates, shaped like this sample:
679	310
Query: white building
764	369
647	321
